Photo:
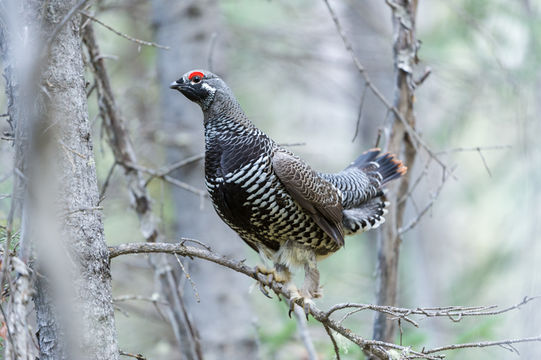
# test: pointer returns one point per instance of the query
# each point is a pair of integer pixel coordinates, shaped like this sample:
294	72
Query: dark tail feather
386	165
366	158
390	167
368	216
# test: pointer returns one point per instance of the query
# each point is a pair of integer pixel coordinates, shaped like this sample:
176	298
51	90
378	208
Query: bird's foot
299	297
270	276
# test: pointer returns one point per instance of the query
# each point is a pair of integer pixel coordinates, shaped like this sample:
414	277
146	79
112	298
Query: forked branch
379	349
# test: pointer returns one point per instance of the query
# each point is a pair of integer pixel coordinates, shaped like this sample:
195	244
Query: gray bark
73	301
141	202
405	57
223	316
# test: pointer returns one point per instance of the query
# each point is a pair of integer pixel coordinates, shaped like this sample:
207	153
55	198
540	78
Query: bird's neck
225	111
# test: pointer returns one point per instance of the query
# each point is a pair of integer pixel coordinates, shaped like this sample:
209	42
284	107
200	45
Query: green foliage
14	238
276	339
416	338
474	279
481	329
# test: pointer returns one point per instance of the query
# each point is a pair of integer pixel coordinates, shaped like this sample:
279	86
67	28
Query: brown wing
313	193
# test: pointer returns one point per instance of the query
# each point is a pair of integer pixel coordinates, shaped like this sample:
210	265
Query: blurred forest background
479	244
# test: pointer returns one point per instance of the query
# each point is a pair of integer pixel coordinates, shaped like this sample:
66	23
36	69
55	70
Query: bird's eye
196	77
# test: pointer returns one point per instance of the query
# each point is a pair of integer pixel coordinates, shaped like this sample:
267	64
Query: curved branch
380	349
377	348
482	344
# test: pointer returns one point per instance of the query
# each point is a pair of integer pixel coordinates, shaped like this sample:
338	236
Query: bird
283	209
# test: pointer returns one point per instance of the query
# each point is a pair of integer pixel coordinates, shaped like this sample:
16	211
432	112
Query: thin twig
452	312
411	132
293	144
185	186
483	344
475	148
106	182
333	340
167	178
300	316
82	209
125	36
360	114
184	240
484	162
135	356
10	336
416	182
188	276
427	207
152	299
212	46
166	170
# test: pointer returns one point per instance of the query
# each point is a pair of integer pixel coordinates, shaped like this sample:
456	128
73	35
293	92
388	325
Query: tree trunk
125	156
73	302
405	57
223	316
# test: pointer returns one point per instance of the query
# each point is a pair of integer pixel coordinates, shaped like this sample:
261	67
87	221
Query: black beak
185	89
175	85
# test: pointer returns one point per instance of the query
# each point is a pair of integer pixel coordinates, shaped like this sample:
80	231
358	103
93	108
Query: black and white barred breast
248	195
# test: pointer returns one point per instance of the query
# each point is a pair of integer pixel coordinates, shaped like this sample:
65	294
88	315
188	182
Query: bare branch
411	132
203	194
476	148
378	348
300	316
212	46
106	182
135	356
125	36
189	278
454	313
166	170
292	144
483	344
333	340
484	162
167	178
360	115
152	299
427	207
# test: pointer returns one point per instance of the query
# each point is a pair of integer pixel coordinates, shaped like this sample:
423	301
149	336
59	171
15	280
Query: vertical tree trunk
405	56
141	202
73	302
223	316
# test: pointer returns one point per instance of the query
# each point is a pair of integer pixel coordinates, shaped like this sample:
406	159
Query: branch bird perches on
379	349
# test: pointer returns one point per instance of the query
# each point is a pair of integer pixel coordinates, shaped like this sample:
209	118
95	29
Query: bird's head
200	86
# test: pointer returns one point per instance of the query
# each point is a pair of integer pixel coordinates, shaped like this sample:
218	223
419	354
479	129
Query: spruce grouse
279	206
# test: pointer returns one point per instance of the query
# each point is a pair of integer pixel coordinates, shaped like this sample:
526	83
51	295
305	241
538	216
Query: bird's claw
296	298
271	274
263	289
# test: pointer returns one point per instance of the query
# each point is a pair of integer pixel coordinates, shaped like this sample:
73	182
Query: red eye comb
196	73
